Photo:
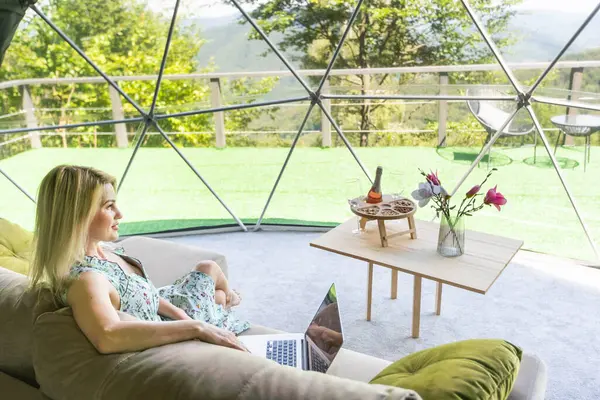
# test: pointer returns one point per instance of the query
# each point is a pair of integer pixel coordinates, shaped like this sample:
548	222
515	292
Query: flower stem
452	230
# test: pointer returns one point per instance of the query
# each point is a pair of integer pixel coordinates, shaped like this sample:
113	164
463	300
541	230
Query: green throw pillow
481	369
15	247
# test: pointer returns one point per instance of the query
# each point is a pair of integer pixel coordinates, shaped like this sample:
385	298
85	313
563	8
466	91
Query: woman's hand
212	334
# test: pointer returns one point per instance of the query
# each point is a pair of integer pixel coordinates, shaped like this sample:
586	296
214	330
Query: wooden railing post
30	119
219	117
117	113
442	110
325	124
574	87
365	130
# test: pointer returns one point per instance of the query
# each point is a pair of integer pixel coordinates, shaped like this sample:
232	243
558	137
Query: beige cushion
68	367
66	364
16	324
532	379
356	366
212	372
167	261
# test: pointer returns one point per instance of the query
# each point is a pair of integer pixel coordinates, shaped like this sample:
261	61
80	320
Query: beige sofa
44	355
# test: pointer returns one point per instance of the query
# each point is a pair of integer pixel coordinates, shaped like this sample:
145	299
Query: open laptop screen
324	334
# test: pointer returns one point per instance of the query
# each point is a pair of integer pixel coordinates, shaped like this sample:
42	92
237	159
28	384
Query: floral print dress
194	293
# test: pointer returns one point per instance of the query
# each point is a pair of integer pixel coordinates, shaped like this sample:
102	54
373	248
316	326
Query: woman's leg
220	297
223	293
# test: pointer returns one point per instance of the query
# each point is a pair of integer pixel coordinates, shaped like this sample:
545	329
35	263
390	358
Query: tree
386	33
123	38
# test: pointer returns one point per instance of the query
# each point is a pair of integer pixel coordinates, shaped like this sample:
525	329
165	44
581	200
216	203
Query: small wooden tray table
391	208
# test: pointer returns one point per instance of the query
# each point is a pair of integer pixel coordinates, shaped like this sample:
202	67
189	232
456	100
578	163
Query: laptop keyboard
282	352
317	363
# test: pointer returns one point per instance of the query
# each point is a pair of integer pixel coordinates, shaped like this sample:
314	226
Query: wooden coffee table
485	258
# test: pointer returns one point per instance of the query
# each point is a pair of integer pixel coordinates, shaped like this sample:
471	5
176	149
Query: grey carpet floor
551	310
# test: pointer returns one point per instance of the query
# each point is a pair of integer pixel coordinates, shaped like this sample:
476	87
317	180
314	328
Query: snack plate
392	207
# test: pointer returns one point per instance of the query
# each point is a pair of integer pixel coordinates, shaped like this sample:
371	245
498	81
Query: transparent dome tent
227	116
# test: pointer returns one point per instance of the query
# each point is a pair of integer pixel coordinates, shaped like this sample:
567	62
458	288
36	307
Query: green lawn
161	192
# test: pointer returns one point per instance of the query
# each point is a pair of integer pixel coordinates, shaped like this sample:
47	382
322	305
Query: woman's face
105	225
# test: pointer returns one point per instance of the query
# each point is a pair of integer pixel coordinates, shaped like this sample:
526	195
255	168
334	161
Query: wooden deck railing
577	69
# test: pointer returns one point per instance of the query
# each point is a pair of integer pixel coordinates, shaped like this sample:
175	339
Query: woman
76	212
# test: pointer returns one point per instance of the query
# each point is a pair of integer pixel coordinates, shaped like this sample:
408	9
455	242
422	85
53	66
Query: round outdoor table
391	207
577	125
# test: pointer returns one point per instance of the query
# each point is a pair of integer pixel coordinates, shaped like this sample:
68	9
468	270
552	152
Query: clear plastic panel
535	35
91	146
60	87
575	156
16	206
162	193
540	29
245	171
228	55
412	59
124	40
538	210
317	181
574	79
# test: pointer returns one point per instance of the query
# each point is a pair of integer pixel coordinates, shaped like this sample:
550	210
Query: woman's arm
89	297
166	309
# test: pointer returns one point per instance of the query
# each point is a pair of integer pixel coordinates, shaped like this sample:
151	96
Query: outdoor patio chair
493	114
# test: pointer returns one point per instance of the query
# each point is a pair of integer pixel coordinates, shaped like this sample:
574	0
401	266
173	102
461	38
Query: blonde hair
68	199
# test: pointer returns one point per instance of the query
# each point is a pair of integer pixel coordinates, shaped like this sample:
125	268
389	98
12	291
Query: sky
215	8
585	6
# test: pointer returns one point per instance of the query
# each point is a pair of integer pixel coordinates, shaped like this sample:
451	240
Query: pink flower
433	178
494	198
474	190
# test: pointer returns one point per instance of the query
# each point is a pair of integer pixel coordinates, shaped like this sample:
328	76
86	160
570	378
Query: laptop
314	350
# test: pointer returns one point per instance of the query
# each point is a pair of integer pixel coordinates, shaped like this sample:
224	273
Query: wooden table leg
416	320
369	291
363	223
438	298
382	233
412	227
394	294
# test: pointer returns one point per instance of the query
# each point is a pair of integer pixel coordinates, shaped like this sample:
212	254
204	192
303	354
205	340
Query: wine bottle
374	196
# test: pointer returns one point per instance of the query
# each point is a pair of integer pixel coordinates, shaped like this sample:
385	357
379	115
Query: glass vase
451	240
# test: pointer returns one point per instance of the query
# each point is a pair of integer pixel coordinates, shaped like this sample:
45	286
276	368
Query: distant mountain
541	36
208	23
229	48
